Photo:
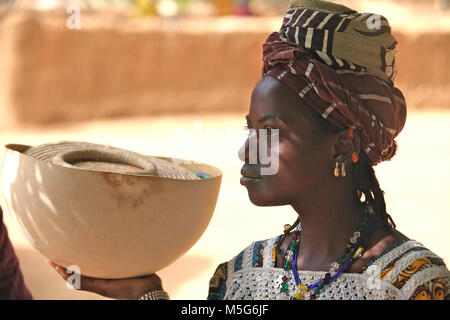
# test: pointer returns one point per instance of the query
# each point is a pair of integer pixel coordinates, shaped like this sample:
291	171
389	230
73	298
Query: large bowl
110	225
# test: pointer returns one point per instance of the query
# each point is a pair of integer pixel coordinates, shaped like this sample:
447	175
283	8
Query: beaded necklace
355	247
289	256
306	291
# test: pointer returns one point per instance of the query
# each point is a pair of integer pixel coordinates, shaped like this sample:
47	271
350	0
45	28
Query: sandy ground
416	183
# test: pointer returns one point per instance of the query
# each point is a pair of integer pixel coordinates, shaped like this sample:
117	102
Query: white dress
406	271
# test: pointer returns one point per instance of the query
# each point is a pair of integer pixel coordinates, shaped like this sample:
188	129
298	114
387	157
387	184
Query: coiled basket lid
111	212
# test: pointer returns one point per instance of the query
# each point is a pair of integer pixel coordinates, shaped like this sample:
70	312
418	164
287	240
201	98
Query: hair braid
366	183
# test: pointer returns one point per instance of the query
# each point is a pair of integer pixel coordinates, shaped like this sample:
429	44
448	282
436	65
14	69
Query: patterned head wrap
343	65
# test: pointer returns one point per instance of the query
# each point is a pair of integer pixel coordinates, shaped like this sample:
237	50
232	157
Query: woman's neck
329	217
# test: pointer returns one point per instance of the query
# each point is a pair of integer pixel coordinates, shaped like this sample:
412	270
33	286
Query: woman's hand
129	288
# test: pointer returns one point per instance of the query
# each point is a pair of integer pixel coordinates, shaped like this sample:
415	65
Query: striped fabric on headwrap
343	66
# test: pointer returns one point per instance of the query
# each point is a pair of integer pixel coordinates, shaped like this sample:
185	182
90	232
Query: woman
328	93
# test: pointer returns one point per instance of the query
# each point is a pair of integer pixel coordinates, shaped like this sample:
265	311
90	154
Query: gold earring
337	172
343	173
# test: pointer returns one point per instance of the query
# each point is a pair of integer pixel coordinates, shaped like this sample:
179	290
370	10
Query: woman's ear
343	145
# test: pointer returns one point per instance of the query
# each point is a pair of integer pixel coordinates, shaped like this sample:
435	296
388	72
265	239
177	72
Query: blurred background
174	78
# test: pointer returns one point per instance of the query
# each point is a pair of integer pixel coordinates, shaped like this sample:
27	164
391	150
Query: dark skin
328	211
305	178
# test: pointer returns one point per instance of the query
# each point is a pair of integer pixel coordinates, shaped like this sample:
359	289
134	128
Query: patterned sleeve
415	272
430	288
217	284
423	278
436	289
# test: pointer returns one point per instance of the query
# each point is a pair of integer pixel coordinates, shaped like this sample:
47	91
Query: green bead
339	260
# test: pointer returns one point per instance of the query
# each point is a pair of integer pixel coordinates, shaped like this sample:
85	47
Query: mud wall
114	66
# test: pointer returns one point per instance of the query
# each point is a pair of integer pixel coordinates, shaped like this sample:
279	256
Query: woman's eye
271	131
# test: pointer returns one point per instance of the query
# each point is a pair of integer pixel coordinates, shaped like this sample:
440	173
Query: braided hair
365	183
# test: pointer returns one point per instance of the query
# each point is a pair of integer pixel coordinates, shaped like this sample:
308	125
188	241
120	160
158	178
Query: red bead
313	297
355	157
285	279
350	132
327	275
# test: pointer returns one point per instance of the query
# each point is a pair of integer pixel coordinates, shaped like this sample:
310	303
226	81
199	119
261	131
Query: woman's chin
263	199
259	192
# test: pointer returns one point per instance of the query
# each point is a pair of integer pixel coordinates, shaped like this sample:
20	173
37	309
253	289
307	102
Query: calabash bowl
108	224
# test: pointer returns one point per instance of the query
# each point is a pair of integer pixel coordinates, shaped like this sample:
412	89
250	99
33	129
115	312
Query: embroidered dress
406	271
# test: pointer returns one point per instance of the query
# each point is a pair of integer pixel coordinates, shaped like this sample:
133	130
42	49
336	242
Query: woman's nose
248	152
242	153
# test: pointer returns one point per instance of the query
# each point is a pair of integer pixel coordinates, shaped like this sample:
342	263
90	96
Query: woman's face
302	159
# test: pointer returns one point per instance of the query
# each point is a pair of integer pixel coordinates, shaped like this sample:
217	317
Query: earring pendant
343	172
337	171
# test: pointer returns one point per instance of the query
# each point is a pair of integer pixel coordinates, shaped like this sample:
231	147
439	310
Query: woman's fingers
60	270
128	288
86	283
99	286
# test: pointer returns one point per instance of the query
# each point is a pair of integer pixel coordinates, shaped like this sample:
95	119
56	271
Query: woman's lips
247	180
250	174
251	171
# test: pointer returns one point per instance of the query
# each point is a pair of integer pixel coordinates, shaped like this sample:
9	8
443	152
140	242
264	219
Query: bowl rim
214	171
